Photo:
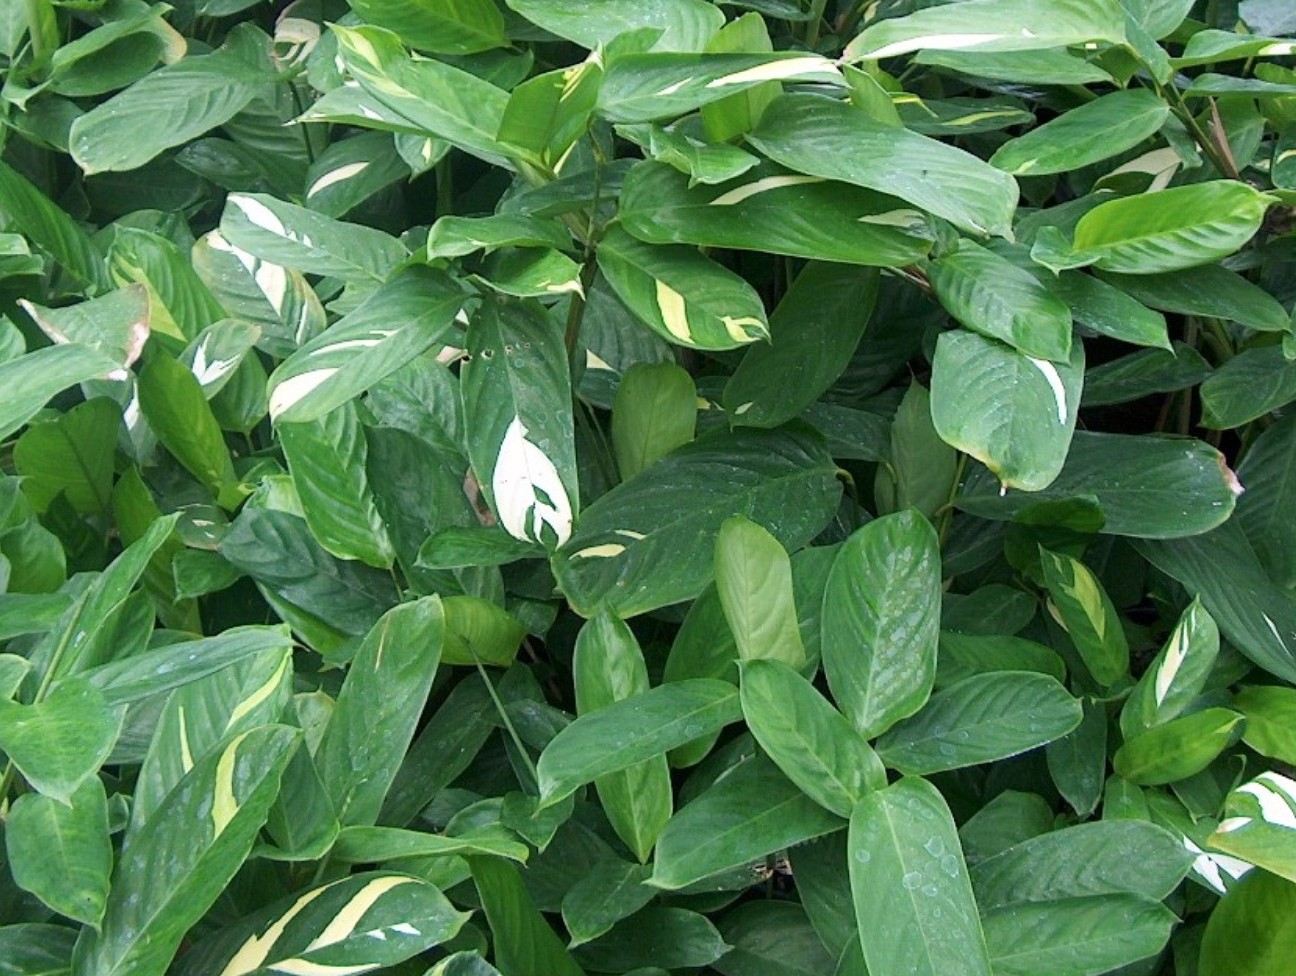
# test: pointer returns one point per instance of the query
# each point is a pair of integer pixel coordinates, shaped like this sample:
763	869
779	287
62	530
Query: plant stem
947	510
814	23
36	32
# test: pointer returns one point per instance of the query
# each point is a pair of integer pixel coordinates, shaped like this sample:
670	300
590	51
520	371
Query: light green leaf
754	583
654	412
632	731
686	298
60	742
608	667
1251	932
909	883
1177	675
810	741
837	141
178	412
72	454
1177	228
881	621
1270	712
1013	412
440	26
61	852
115	324
1179	748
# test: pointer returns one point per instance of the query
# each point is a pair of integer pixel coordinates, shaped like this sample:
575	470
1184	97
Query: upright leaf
654	412
754	582
881	621
913	901
1082	606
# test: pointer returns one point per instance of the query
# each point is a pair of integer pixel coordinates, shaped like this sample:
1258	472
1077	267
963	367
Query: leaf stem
508	722
814	23
947	510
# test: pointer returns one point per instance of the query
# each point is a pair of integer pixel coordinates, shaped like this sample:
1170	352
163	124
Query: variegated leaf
1259	824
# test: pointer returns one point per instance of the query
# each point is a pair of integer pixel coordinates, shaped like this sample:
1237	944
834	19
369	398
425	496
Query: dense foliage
607	486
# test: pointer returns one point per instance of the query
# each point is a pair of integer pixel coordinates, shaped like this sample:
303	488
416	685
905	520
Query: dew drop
863	856
935	847
912	880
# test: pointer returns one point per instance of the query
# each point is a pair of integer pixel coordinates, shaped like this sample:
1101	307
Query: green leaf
881	621
397	323
684	297
809	740
1082	606
674	937
1177	228
115	324
326	458
1270	712
1179	748
28	382
177	863
772	937
517	409
909	883
28	211
72	454
1106	309
1250	385
770	209
1144	373
1177	675
171	106
814	332
1251	932
648	543
654	412
62	853
981	719
964	655
1013	412
1270	480
990	295
922	469
836	141
332	926
634	730
754	583
752	810
612	890
36	949
178	412
479	632
1212	291
992	26
685	25
1077	762
1259	825
1105	857
440	26
60	742
1075	936
1087	134
525	945
378	708
307	241
1256	616
1148	486
367	845
608	667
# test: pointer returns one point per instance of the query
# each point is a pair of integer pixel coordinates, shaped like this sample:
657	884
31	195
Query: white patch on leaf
292	390
339	175
225	804
254	951
740	193
529	493
932	42
1055	384
605	551
344	922
207	372
744	328
1176	651
674	312
778	71
1273	804
259	215
672	89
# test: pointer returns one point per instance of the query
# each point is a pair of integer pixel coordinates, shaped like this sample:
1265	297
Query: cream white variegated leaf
529	494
